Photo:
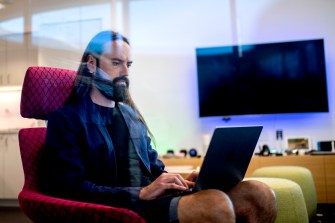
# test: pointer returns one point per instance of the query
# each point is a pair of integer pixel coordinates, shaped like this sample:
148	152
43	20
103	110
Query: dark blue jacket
79	160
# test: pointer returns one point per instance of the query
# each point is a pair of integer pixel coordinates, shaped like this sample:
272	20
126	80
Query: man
98	149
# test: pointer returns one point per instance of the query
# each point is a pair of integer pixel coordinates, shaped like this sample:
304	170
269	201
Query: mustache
113	82
120	79
103	77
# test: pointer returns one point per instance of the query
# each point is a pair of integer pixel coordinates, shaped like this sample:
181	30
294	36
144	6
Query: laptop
227	159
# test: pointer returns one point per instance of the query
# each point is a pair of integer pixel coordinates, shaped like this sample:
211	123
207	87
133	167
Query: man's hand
190	179
165	181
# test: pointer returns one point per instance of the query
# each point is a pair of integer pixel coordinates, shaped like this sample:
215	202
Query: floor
12	215
326	214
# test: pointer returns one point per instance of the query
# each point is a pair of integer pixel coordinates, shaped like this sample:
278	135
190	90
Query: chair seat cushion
41	208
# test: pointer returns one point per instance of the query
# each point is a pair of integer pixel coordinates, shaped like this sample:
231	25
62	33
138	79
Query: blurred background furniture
300	175
44	90
290	200
322	168
293	185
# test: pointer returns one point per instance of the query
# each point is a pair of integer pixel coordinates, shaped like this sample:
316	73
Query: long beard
116	89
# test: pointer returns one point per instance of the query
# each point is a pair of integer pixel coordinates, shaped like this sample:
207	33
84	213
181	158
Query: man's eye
115	63
129	65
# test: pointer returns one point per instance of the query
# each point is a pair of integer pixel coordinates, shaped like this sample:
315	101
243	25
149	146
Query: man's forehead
117	46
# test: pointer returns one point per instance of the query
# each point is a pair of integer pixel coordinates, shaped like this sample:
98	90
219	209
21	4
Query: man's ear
91	64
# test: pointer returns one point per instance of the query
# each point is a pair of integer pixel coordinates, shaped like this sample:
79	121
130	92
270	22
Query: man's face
115	59
111	77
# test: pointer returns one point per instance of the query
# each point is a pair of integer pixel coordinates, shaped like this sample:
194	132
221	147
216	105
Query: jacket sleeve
63	170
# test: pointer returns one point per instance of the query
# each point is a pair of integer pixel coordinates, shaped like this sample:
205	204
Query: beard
116	89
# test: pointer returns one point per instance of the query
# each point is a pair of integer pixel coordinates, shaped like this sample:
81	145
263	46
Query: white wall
164	35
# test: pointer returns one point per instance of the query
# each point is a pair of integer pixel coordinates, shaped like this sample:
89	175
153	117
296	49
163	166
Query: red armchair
44	90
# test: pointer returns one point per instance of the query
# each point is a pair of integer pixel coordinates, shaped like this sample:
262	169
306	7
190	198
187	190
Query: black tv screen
269	78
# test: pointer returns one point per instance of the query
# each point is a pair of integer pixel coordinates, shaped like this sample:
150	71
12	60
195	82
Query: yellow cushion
290	200
301	175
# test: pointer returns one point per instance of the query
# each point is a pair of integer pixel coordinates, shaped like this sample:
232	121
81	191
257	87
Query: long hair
84	79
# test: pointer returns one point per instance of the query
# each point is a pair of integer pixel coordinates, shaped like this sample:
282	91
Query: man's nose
125	71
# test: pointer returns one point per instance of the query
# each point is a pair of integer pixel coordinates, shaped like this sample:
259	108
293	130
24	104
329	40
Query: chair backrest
44	90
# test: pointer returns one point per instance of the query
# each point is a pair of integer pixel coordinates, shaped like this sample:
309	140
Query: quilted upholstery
44	90
31	141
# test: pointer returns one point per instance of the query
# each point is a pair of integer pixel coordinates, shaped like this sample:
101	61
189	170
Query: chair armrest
42	208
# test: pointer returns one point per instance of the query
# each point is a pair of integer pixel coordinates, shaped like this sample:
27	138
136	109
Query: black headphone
265	151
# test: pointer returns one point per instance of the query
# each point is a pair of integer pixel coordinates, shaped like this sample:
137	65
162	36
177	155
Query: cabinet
3	57
16	55
321	166
11	171
330	178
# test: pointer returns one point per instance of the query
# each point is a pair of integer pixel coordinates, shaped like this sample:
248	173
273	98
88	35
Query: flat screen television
269	78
